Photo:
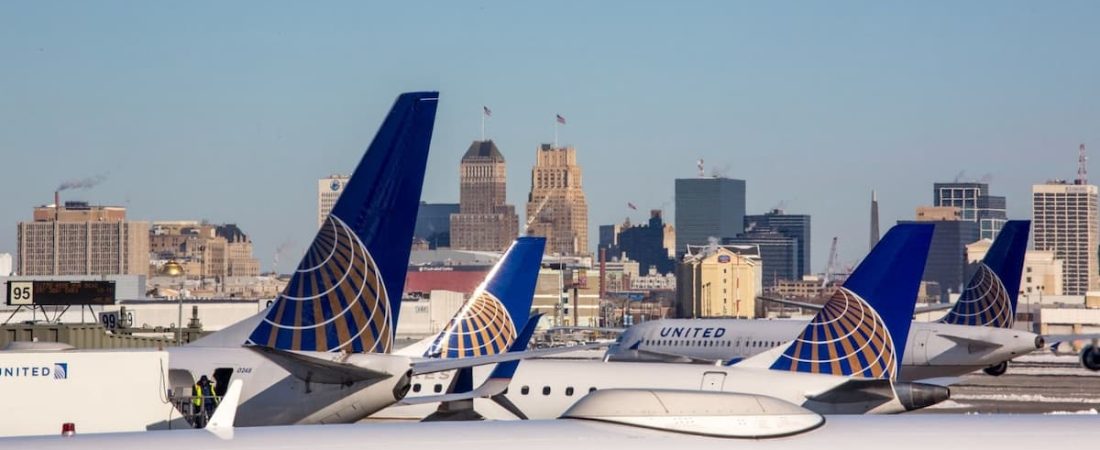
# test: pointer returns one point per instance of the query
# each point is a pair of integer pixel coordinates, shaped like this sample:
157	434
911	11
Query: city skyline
232	116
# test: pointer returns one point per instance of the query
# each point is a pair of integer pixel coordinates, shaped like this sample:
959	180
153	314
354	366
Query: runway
1039	383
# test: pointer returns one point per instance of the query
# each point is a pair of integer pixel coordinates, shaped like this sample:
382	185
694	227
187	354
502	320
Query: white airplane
975	334
638	419
844	361
321	352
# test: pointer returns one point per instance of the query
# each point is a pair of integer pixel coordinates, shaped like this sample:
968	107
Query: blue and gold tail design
862	330
989	299
346	291
487	323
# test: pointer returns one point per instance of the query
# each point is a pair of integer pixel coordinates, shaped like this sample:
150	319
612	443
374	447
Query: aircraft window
546	390
416	387
525	390
438	388
569	391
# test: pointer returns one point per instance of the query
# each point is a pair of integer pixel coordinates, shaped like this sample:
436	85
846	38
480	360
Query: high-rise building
1064	221
796	226
708	209
81	239
647	244
974	203
433	224
484	221
946	263
778	253
328	191
556	206
718	281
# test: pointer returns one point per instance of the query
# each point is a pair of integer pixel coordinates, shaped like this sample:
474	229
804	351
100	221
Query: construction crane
536	214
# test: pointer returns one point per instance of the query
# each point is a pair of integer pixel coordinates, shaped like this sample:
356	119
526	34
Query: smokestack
56	206
874	219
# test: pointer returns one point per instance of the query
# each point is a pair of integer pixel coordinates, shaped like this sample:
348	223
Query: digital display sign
61	293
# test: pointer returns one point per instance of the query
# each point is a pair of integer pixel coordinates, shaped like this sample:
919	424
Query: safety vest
197	394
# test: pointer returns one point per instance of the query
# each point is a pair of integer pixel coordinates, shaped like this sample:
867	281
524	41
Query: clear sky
230	111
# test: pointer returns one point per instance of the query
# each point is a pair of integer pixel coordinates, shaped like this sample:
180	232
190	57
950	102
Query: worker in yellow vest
204	399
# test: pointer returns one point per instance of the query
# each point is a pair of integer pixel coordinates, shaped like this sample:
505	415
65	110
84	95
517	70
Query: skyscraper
433	223
796	226
328	191
778	253
1064	220
556	206
646	244
974	203
874	220
708	208
484	221
946	263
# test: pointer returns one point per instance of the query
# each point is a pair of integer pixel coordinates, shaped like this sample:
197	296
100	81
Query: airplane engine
1090	357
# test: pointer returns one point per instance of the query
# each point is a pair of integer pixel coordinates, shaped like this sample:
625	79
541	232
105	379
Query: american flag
561	119
488	112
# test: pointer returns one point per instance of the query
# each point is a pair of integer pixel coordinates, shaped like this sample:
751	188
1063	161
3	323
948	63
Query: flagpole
555	132
483	125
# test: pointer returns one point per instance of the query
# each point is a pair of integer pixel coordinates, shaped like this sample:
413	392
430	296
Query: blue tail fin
488	322
346	291
861	331
990	297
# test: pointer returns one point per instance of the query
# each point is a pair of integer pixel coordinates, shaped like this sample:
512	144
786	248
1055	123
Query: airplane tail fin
487	324
989	299
862	330
346	292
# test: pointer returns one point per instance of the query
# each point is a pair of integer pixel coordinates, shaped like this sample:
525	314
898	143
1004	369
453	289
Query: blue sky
231	111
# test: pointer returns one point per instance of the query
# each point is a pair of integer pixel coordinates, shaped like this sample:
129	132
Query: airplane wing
600	329
317	370
797	304
432	365
221	423
670	357
817	307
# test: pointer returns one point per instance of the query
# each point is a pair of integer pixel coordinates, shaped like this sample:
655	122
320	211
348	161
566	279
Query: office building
328	191
5	264
203	250
946	263
650	244
718	281
796	226
80	239
1064	221
974	203
433	224
706	209
778	253
484	220
556	206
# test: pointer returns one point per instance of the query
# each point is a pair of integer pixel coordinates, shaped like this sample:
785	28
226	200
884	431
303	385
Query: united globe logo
61	371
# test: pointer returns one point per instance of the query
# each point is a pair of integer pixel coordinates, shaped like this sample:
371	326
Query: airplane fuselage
932	350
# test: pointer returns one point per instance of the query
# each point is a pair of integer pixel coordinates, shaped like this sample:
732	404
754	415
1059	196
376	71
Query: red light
68	429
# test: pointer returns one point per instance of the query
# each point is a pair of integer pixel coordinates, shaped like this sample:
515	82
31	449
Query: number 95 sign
20	293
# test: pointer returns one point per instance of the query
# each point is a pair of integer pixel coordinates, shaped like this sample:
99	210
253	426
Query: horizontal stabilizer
972	345
316	370
817	307
221	423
